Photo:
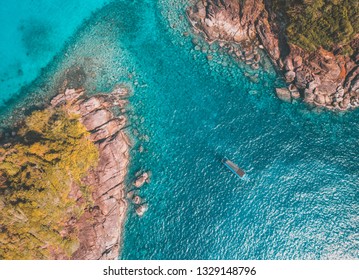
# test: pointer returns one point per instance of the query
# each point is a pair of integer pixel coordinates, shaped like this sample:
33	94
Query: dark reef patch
75	77
36	37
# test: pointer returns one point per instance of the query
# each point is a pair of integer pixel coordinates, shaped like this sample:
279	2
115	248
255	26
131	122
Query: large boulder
141	180
297	61
140	210
320	99
289	76
283	94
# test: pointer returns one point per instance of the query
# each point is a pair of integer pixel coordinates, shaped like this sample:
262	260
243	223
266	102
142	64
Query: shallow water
31	33
301	200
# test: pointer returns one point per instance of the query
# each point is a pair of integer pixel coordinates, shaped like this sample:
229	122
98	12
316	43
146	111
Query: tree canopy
39	172
329	24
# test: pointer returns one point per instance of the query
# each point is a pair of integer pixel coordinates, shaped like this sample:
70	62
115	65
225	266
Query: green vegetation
38	179
320	23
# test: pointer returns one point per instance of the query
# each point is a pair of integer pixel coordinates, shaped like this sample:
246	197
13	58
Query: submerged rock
137	199
140	210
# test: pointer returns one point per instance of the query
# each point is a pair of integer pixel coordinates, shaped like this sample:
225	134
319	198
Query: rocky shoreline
100	227
321	78
102	195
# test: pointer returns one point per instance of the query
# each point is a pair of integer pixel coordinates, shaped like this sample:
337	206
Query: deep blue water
302	198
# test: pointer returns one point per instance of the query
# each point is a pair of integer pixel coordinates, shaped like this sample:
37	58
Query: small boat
233	167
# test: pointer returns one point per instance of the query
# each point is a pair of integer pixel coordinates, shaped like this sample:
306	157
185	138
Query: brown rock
288	63
108	129
136	199
283	94
141	180
346	102
312	85
100	226
355	84
308	96
332	69
249	56
292	88
255	66
294	91
140	210
269	41
295	94
96	119
218	21
257	58
289	76
69	96
328	100
90	105
297	61
300	79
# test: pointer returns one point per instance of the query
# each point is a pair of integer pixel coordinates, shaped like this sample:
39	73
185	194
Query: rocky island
62	180
315	44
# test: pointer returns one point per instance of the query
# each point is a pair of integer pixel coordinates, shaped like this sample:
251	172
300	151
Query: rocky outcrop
225	20
215	19
101	225
141	180
321	78
140	210
284	94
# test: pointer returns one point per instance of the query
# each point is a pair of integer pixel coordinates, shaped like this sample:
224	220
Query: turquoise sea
32	32
302	197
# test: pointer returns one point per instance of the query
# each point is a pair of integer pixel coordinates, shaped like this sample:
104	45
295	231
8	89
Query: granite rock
100	227
249	22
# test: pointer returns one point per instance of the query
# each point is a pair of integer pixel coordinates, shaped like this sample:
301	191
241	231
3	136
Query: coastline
100	227
321	78
84	192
